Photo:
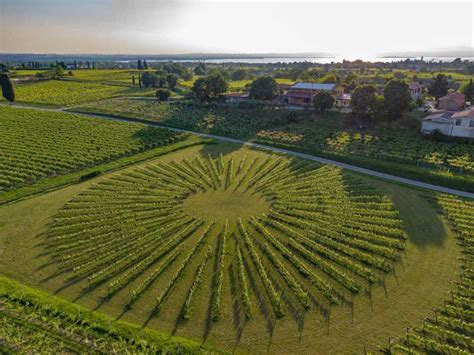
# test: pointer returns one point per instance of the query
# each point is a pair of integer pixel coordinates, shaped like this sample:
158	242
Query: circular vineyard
307	235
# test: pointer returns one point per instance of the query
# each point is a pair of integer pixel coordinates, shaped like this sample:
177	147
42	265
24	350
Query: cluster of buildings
302	94
453	116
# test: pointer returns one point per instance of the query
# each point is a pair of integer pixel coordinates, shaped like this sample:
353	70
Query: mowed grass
37	145
418	283
60	93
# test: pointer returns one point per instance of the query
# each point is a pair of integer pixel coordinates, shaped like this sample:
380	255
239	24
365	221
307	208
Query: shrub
162	94
91	175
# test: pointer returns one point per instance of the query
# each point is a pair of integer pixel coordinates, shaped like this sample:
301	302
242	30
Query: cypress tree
145	64
139	65
139	81
7	87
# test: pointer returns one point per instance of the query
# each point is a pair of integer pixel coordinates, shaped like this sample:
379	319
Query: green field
248	251
33	321
399	152
60	93
238	85
121	237
37	145
106	76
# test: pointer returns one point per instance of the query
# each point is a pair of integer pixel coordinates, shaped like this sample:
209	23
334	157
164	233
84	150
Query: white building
343	101
416	91
455	124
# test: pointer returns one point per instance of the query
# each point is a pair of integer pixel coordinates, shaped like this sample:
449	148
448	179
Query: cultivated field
237	85
33	321
142	235
449	330
409	155
239	248
36	145
60	93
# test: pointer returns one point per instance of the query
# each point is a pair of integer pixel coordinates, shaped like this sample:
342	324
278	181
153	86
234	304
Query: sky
344	28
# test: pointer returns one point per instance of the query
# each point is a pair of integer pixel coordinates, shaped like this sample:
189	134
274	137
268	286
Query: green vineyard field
308	232
37	145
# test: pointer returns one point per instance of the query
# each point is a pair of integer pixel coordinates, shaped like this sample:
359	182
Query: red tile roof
464	114
455	96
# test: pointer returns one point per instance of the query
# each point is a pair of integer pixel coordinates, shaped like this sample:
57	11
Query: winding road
394	178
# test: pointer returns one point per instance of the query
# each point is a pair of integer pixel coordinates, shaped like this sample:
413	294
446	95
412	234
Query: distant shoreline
221	58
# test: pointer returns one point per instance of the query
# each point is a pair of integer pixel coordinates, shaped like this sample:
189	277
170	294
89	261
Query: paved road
357	169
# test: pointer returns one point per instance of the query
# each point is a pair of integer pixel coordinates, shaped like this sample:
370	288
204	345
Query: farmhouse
301	94
299	97
313	87
416	90
453	102
455	124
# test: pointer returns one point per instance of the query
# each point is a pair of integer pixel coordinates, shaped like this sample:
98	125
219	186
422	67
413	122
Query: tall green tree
396	98
139	64
439	87
364	102
145	64
200	69
149	79
200	89
239	74
263	88
323	101
210	87
468	91
217	85
172	80
8	91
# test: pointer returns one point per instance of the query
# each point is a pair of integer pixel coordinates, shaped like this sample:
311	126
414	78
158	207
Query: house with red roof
453	102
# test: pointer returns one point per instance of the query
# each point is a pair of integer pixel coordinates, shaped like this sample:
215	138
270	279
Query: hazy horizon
340	28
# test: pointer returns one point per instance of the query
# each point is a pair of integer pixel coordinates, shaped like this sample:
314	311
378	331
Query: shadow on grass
421	221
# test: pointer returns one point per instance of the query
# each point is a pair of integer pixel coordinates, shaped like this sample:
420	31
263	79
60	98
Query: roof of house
313	86
415	86
283	86
439	117
237	94
298	94
463	114
344	97
455	96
